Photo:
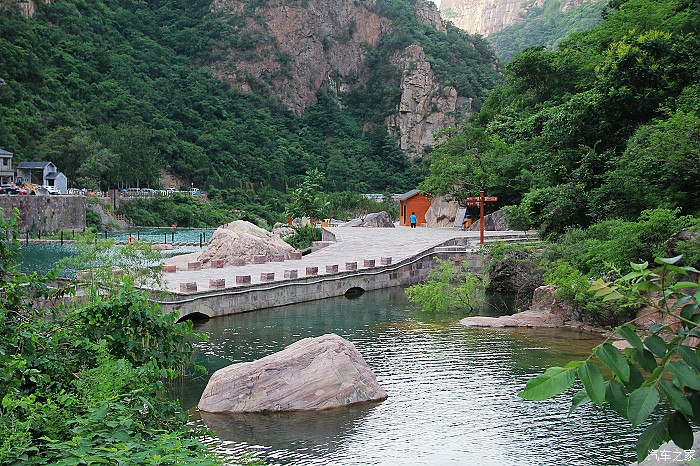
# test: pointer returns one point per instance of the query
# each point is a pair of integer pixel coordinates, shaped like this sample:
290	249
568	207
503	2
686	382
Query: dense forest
604	127
596	146
115	91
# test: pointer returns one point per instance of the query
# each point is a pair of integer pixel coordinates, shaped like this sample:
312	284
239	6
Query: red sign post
480	200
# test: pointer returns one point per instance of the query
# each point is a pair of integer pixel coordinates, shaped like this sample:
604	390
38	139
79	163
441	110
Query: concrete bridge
348	260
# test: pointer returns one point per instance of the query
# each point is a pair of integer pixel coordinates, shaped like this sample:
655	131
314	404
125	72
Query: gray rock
497	221
441	213
378	220
312	374
374	220
546	312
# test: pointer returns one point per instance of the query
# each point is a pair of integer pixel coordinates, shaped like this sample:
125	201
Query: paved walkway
353	245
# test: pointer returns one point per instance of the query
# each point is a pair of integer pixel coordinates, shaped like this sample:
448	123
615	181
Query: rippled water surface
452	391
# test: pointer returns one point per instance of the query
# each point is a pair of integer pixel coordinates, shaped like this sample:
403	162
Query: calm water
156	235
452	391
44	257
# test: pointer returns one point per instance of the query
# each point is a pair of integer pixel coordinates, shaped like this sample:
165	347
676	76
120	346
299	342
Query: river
452	391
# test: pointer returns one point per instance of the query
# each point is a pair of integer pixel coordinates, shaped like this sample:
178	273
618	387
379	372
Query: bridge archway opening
194	317
354	292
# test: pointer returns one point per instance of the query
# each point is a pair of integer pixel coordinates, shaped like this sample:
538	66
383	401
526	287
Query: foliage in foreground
663	364
580	256
85	384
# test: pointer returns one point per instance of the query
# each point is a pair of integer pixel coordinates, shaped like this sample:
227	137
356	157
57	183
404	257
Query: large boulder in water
312	374
374	220
241	239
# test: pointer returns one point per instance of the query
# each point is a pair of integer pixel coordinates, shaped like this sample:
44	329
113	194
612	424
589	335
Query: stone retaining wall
310	288
47	214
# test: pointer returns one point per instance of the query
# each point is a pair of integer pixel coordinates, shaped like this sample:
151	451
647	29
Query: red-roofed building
412	201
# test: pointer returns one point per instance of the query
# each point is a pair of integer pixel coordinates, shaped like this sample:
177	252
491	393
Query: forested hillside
605	127
114	91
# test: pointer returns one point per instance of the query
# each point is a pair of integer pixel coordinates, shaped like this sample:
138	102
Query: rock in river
546	311
312	374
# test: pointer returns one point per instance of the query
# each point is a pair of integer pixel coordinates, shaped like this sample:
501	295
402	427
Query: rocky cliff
28	7
291	49
426	105
488	16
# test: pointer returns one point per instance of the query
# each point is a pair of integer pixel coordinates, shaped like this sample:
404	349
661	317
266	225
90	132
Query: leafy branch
665	364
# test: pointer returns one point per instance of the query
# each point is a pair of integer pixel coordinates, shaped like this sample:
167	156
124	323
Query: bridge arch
354	292
194	317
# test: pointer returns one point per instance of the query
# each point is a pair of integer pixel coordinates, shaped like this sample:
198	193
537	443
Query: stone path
353	245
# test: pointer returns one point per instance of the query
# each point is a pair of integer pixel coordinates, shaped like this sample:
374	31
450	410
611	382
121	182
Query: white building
7	173
43	173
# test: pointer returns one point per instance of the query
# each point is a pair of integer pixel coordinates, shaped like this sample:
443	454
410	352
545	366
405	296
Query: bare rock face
497	221
28	7
546	312
312	374
296	46
428	13
241	239
426	105
488	16
441	212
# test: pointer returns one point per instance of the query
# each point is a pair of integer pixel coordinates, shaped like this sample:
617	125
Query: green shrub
92	218
448	288
304	236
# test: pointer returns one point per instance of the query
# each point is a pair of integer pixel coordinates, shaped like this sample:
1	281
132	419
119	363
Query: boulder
312	374
546	311
374	220
497	221
243	240
441	213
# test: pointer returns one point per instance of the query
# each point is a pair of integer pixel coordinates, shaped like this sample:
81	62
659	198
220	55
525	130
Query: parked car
53	190
9	189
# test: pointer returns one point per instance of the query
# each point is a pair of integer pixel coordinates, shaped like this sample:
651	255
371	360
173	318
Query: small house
412	201
7	173
42	173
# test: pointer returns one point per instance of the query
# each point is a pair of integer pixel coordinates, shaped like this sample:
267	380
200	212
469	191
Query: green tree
307	199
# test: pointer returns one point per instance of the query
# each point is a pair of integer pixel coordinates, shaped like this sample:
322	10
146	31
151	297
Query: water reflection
319	434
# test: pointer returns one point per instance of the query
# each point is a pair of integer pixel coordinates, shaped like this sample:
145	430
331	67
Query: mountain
293	50
230	92
546	26
604	127
488	16
513	25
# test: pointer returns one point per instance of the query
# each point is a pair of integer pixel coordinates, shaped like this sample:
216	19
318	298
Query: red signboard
490	198
473	199
473	203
